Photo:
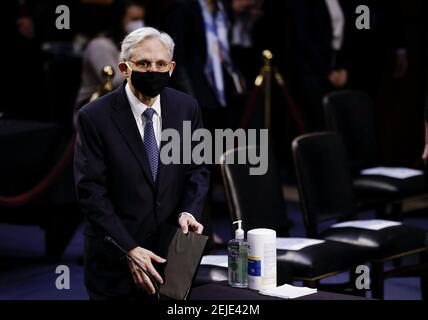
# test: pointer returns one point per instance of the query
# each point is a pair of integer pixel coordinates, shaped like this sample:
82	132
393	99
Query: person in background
425	152
21	26
245	14
205	69
103	50
381	51
322	53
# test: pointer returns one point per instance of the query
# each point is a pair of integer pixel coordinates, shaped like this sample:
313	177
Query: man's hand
338	78
251	7
401	65
241	6
425	154
25	27
144	258
187	222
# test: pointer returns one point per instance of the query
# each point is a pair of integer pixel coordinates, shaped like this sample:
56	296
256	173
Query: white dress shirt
138	109
337	22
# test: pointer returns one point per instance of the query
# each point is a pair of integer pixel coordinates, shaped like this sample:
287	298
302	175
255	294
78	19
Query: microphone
155	284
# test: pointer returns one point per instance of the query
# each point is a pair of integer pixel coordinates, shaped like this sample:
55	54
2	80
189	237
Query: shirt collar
138	107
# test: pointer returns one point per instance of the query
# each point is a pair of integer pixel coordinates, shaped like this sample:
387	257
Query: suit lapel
125	122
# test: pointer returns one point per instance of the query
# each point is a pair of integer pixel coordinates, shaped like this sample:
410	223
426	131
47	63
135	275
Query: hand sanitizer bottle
238	259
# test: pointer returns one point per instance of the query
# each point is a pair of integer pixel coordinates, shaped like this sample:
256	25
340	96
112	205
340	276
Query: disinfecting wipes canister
261	259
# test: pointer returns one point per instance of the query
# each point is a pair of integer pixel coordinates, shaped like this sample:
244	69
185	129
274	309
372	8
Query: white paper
220	260
374	224
295	243
287	291
398	173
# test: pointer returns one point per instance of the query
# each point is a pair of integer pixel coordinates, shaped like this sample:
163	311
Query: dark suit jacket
115	188
373	50
313	36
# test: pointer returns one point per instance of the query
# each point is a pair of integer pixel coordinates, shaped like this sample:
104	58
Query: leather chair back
351	114
324	180
255	199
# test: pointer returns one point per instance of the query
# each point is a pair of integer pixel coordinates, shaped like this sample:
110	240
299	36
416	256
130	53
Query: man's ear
173	64
123	67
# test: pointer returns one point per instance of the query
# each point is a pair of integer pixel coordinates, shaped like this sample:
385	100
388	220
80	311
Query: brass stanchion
263	83
265	79
107	74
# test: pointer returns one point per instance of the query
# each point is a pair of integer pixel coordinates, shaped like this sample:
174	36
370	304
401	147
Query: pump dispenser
239	233
238	258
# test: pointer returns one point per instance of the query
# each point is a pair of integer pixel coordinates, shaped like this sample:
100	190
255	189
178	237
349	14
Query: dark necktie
150	142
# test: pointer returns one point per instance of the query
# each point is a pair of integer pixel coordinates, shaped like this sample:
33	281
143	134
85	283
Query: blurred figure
205	69
271	31
425	153
380	50
379	67
244	17
104	50
204	65
322	53
25	69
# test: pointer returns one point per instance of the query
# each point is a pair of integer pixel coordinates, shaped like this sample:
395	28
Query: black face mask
149	84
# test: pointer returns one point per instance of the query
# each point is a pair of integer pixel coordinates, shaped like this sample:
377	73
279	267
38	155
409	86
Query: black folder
183	254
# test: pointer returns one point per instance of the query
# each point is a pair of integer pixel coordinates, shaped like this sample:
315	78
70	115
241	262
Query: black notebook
183	253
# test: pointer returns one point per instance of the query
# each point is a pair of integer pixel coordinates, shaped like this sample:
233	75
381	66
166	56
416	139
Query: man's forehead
150	49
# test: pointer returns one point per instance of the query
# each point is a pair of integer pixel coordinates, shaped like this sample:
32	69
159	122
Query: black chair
325	189
257	200
351	114
250	195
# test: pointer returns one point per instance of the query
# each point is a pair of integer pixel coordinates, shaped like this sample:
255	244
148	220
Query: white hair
137	36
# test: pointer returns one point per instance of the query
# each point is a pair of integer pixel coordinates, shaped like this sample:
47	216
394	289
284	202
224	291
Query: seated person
104	50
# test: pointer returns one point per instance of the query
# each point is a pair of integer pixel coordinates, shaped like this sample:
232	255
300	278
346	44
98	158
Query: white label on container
269	265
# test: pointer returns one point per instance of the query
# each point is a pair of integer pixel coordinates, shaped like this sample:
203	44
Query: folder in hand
183	253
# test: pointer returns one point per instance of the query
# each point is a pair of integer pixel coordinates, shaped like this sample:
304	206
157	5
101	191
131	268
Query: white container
261	259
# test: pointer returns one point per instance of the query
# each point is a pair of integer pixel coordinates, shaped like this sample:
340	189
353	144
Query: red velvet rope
250	106
292	108
45	183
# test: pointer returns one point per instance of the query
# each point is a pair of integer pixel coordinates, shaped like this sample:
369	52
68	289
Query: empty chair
351	115
325	189
258	201
255	199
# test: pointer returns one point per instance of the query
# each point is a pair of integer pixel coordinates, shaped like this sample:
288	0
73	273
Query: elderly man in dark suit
124	189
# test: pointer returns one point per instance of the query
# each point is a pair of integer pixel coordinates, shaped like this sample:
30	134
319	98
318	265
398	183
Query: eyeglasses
145	65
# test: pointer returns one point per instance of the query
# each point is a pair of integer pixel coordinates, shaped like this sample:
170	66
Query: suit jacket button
158	204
